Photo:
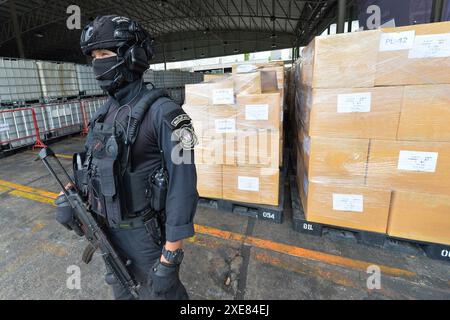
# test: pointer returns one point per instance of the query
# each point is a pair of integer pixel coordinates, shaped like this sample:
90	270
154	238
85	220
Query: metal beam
16	27
342	7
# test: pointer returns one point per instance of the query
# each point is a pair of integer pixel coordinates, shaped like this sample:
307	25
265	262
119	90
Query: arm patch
177	119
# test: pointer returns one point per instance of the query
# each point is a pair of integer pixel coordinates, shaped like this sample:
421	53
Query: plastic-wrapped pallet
64	118
19	80
239	137
87	84
91	105
57	79
16	128
373	131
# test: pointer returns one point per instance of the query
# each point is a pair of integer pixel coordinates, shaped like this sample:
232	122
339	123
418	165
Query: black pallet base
258	211
380	240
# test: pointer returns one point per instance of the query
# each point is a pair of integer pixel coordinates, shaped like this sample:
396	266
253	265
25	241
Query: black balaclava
112	74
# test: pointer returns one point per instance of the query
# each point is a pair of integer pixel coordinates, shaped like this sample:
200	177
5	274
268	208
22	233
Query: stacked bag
373	112
238	121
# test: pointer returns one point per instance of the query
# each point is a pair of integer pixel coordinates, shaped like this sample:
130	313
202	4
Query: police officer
137	173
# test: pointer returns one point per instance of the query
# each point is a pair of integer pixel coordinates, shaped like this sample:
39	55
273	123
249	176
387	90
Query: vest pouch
79	173
138	191
95	198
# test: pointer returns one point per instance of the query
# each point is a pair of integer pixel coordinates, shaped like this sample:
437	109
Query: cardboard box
258	147
425	113
277	66
334	160
223	119
209	181
417	54
352	207
420	216
251	185
256	82
210	93
341	61
218	148
352	113
197	113
259	111
213	77
410	166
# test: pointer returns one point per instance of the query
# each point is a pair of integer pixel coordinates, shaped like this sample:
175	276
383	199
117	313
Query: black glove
64	215
163	277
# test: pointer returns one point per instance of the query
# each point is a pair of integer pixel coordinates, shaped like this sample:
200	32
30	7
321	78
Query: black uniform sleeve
173	130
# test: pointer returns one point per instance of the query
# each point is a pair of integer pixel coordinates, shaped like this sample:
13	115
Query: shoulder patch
177	118
187	137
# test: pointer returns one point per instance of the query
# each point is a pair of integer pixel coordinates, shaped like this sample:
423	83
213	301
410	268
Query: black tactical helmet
112	32
132	44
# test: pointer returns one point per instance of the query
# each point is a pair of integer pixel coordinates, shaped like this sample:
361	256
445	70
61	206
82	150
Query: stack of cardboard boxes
374	139
238	121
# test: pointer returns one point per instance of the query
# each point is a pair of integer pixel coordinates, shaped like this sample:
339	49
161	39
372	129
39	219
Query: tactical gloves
163	277
64	215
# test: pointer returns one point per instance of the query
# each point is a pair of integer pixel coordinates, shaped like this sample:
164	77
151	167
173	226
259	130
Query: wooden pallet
300	224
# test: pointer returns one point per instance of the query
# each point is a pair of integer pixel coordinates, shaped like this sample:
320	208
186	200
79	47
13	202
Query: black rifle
91	229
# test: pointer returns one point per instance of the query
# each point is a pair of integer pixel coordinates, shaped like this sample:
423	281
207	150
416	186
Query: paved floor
231	257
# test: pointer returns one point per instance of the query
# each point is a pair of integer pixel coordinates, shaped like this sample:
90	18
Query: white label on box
223	96
417	161
348	202
354	102
431	46
393	41
4	127
245	68
248	183
256	112
225	125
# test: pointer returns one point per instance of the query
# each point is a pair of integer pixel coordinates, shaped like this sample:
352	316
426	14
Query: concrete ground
230	257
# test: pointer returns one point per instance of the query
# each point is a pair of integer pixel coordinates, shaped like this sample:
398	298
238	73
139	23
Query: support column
342	5
436	11
16	27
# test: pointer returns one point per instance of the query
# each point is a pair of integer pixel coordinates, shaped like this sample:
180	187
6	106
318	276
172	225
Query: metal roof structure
183	29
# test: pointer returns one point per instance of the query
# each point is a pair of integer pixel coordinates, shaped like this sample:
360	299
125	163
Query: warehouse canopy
183	29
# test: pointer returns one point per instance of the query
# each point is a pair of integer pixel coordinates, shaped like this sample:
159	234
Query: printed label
354	102
225	125
257	112
245	68
431	46
348	202
417	161
4	127
394	41
248	183
223	96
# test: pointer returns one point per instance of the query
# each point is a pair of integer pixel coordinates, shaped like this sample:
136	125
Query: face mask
101	67
105	72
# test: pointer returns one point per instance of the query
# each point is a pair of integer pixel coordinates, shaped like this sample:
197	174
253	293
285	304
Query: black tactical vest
113	190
